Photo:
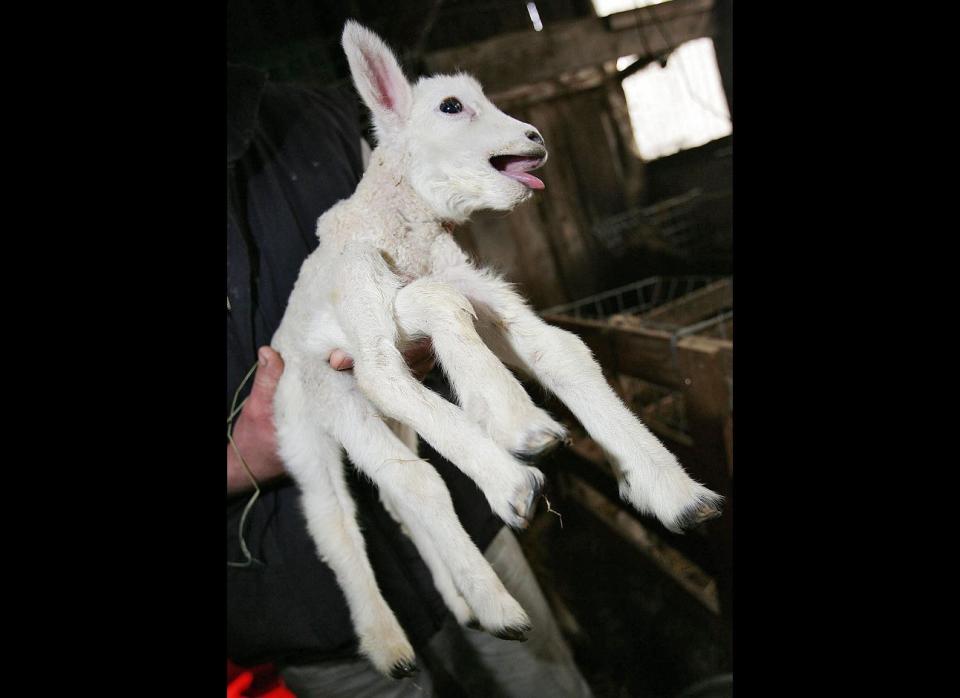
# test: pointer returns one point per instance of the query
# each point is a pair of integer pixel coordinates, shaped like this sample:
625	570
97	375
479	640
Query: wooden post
705	368
706	371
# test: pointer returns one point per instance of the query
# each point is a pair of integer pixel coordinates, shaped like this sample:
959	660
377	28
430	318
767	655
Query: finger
268	374
340	360
415	352
423	367
419	353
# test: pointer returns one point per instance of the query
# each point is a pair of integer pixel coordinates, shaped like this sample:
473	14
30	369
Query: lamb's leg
314	460
367	290
486	390
650	477
442	578
419	499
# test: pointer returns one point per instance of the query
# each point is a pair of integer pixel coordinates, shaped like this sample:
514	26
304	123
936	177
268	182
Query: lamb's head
459	152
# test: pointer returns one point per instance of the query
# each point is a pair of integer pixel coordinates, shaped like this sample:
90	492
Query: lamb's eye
451	105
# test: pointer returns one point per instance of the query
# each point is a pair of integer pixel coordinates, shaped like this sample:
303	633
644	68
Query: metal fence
632	299
708	311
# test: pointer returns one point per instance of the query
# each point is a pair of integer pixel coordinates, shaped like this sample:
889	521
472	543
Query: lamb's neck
392	204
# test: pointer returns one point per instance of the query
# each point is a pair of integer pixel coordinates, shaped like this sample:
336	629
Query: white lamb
387	273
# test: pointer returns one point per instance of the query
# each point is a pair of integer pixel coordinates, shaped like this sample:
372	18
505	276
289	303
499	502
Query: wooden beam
693	307
688	575
584	446
514	59
680	445
526	94
650	415
643	352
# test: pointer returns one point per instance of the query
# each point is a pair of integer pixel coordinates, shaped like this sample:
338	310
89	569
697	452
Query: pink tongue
516	170
526	178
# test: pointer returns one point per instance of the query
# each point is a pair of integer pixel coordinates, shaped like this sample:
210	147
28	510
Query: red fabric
261	681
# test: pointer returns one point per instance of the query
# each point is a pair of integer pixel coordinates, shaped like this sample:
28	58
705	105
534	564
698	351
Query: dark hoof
401	670
696	515
516	633
517	522
474	624
523	518
545	450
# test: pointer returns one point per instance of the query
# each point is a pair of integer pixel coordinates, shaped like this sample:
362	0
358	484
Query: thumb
268	374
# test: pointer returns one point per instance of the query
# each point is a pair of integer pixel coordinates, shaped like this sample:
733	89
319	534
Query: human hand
254	431
419	358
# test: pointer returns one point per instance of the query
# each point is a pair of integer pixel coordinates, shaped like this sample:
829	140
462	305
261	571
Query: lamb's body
387	272
383	230
384	214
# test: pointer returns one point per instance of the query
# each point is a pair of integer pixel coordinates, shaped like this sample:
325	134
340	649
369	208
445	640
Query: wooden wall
546	245
570	91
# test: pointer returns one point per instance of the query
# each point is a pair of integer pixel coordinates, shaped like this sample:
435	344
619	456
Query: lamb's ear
378	77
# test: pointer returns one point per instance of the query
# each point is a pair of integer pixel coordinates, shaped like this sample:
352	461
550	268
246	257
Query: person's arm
254	432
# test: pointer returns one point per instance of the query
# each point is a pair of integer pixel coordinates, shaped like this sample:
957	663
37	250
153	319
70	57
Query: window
679	106
608	7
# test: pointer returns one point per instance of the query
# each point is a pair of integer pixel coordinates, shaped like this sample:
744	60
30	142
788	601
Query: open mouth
518	167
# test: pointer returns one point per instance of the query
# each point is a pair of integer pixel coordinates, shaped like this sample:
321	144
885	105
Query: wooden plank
707	378
530	93
518	246
650	415
688	575
529	57
566	128
545	244
584	446
639	351
692	307
634	168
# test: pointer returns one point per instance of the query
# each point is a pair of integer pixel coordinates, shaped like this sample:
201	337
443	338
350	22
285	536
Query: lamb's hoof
541	443
525	503
516	633
474	624
696	514
403	669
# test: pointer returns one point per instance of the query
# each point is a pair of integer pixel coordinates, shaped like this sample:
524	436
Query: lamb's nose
535	137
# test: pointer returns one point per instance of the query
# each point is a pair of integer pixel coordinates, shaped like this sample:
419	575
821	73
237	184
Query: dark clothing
291	154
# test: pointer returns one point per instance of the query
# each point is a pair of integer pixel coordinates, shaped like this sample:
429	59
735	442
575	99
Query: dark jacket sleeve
292	153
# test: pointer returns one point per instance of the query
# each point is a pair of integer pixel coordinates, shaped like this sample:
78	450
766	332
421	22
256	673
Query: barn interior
630	247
